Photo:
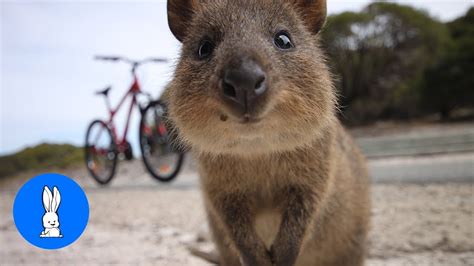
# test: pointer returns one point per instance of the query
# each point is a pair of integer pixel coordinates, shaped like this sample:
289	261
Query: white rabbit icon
50	219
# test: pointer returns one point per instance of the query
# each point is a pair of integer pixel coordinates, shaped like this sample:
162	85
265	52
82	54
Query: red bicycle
103	147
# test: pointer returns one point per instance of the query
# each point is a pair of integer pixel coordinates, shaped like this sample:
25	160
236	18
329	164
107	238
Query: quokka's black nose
242	84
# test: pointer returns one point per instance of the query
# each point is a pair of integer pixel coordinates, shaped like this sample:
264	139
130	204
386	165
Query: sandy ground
139	221
423	209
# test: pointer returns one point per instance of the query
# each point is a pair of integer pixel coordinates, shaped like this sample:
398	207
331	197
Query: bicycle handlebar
129	61
106	58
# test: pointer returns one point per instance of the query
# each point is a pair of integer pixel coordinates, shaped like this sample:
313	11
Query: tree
450	84
380	55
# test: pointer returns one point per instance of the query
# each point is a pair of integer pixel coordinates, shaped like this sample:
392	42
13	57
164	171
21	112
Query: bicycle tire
146	160
102	180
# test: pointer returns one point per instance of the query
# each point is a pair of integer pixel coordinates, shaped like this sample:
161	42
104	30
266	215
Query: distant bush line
41	157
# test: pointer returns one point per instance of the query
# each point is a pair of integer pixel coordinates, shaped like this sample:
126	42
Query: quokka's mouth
244	119
249	120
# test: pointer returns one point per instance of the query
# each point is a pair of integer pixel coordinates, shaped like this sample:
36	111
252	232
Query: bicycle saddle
104	92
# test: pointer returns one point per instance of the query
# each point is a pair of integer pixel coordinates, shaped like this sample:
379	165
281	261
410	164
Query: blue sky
48	77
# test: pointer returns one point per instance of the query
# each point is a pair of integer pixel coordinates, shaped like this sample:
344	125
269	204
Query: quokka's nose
242	84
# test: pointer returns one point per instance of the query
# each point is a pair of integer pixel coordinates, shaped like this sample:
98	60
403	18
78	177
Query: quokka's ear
180	13
313	13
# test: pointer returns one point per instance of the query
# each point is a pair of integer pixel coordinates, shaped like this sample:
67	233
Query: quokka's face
251	78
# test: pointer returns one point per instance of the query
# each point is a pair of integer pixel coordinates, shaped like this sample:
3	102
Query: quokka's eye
205	49
283	41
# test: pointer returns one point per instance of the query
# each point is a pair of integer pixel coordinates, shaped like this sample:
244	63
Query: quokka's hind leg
209	256
353	256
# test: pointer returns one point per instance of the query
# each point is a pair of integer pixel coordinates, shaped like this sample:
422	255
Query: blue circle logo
51	211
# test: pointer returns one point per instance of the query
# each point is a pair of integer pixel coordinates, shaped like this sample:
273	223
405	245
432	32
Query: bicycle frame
133	91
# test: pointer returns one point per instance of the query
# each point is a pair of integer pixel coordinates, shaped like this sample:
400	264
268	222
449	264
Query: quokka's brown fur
291	188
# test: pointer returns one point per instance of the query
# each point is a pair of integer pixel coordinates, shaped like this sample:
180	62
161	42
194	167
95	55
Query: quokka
253	98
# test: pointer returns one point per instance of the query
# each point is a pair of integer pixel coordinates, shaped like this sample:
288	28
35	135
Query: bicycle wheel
161	160
100	152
